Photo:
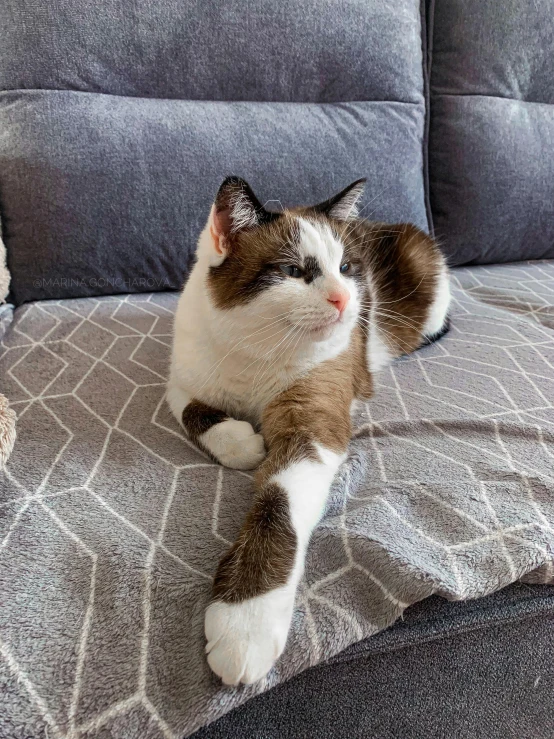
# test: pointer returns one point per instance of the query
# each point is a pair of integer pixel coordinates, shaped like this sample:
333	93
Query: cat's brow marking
311	269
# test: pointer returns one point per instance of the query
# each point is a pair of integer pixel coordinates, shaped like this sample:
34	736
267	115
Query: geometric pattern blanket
111	523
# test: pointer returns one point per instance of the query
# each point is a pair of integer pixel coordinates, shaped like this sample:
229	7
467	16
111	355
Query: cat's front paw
245	639
237	445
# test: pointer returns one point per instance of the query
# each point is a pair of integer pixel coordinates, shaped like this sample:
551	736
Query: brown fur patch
315	410
404	264
253	261
263	555
198	418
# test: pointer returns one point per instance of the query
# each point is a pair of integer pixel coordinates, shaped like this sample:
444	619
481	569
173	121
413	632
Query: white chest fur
237	368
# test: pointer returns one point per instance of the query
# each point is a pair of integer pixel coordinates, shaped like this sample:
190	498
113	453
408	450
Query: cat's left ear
344	206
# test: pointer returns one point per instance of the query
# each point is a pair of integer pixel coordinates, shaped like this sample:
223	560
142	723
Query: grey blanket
111	524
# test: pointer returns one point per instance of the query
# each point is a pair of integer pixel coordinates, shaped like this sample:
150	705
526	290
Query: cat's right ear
235	209
344	205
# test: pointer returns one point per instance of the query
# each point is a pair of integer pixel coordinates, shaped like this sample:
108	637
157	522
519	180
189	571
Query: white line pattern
450	466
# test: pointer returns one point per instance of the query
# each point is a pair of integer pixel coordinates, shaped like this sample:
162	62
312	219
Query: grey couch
117	123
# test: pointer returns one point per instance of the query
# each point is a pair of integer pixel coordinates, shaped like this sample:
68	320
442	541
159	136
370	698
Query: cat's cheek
350	315
285	299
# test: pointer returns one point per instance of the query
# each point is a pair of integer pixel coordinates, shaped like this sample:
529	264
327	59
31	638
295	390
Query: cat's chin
324	331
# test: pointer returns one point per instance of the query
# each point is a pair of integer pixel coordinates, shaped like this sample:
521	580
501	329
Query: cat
284	320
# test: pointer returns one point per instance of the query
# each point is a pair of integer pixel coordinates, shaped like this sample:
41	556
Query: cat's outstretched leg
230	442
248	621
254	590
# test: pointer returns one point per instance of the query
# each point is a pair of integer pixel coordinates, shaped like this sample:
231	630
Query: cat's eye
291	270
344	268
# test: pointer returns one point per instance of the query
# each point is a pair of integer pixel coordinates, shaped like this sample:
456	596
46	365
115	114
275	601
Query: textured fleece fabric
119	121
491	146
7	430
112	524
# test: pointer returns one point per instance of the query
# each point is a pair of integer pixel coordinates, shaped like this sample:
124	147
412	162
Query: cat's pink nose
339	300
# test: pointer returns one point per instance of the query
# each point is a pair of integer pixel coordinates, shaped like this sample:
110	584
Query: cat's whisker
375	307
396	346
271	318
257	377
412	318
273	348
270	350
287	346
236	348
399	320
403	297
393	338
416	288
376	235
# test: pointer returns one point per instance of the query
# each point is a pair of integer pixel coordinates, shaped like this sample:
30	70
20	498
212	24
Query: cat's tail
438	320
438	335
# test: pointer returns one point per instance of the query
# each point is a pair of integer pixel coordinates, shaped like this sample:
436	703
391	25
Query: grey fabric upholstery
448	670
314	51
120	122
491	147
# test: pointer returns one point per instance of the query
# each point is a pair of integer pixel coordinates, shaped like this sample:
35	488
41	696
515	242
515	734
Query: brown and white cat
281	325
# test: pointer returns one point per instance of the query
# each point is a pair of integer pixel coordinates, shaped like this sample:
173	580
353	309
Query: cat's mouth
322	327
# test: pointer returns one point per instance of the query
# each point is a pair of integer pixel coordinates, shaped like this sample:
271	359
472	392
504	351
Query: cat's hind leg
232	443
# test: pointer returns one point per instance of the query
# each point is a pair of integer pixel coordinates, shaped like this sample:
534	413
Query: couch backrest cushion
120	120
286	51
491	147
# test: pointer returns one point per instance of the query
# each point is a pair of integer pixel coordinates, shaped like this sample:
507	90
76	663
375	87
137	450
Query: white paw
245	639
235	444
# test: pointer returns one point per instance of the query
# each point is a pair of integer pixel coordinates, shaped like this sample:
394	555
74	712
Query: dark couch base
490	661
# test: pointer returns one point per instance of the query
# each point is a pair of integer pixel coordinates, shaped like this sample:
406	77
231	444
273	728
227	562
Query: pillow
491	148
120	121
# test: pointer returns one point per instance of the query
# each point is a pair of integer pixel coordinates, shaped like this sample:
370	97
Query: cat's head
291	267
